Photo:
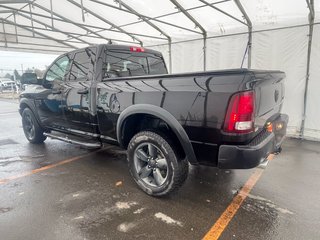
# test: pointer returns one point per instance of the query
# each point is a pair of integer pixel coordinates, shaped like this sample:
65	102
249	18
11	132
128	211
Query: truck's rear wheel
155	165
32	130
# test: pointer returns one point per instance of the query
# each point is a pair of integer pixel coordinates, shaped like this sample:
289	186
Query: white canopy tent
193	35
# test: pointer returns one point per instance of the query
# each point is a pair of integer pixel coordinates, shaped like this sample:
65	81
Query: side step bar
77	142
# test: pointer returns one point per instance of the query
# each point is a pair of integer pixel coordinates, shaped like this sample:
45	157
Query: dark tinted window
156	65
82	65
124	63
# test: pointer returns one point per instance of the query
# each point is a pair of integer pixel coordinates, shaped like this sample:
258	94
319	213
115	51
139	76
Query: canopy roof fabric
193	35
61	25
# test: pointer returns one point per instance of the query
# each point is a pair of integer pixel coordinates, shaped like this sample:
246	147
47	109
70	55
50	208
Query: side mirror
49	84
46	84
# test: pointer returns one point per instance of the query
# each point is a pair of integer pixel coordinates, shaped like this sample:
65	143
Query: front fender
166	117
29	103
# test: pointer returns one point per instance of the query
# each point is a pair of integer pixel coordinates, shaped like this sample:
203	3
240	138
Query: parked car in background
27	79
124	95
7	84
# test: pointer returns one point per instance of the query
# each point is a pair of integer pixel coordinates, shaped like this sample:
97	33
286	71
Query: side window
82	65
58	70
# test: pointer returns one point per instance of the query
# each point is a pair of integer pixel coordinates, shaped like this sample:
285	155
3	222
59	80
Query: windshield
122	63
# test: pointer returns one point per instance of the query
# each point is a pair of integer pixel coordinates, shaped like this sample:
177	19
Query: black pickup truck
124	95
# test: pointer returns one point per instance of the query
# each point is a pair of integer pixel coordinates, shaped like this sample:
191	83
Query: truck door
49	101
79	95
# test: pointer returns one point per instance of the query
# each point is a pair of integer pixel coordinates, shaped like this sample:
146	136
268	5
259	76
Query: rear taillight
240	113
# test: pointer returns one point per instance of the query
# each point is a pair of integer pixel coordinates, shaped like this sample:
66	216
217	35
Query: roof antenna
110	42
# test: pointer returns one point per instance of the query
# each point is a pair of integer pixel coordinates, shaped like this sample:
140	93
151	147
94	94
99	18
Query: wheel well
140	122
23	106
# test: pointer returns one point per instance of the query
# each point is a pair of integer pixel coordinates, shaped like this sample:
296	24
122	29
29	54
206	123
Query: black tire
176	169
32	130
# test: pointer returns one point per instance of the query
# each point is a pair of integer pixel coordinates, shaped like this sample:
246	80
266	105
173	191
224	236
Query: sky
16	60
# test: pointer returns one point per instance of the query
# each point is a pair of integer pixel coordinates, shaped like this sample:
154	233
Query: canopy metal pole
54	28
18	11
204	33
79	25
169	14
33	50
15	26
133	11
64	19
41	34
225	13
4	34
31	18
82	11
249	24
38	44
310	4
15	1
106	21
51	12
35	37
170	55
149	18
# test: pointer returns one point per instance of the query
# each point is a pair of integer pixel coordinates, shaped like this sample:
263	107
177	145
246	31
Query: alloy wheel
151	164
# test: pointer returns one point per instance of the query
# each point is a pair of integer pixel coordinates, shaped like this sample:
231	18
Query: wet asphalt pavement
94	197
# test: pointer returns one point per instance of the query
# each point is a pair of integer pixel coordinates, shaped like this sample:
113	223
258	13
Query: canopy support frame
107	21
146	17
15	27
18	11
31	18
54	28
223	12
40	34
204	32
5	35
78	25
13	10
51	12
249	24
82	11
133	11
310	4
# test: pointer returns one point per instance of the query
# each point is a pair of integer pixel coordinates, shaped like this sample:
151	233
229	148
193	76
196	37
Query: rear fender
166	117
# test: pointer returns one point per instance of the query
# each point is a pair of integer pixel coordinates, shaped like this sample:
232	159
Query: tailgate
269	89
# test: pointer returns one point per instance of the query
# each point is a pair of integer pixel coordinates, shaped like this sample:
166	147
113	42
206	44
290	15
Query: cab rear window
121	63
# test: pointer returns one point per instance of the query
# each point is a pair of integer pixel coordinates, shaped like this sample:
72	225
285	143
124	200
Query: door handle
56	91
83	91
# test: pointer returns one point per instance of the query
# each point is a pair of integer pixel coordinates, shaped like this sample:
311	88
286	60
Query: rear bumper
255	153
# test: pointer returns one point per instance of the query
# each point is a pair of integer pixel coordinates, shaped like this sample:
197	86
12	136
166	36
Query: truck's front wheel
155	165
32	130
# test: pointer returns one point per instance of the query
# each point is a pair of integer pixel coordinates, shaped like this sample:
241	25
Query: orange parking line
28	173
223	221
271	157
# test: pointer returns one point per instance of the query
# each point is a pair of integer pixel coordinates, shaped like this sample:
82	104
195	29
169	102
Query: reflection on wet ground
94	197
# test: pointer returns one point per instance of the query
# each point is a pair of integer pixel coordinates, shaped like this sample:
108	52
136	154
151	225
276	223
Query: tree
8	75
39	72
16	74
29	70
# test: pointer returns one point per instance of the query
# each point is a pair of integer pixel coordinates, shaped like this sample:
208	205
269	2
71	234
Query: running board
73	141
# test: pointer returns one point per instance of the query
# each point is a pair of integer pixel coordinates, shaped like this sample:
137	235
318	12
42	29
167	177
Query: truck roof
121	47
